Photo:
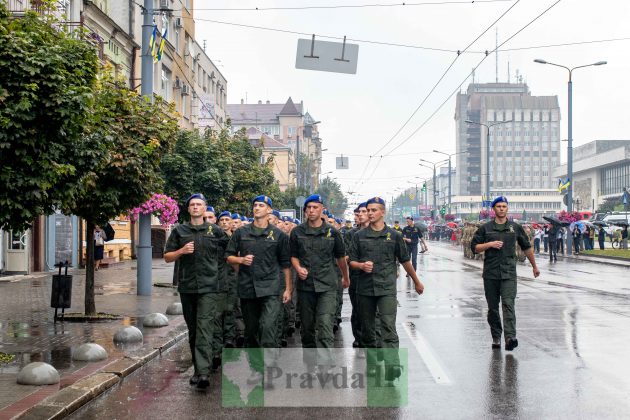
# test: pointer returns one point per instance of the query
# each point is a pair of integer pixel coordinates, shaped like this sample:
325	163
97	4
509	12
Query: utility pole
145	250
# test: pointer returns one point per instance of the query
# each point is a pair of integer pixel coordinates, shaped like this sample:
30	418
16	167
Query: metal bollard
61	294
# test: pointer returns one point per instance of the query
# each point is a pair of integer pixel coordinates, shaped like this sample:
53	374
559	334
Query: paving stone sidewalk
28	331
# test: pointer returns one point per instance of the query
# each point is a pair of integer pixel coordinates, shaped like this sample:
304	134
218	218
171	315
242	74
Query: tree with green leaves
46	94
225	168
129	135
335	201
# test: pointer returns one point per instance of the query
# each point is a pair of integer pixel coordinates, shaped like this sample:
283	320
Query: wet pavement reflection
571	361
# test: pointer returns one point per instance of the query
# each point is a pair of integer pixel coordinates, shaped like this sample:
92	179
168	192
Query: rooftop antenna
496	55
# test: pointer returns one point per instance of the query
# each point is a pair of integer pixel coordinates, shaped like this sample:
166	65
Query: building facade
524	142
290	126
601	170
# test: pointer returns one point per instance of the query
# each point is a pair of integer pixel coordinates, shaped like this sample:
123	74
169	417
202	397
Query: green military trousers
354	316
386	307
261	321
503	291
317	312
203	314
339	302
229	318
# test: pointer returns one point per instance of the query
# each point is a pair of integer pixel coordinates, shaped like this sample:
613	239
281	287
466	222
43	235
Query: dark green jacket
500	263
384	249
413	233
270	249
317	249
204	270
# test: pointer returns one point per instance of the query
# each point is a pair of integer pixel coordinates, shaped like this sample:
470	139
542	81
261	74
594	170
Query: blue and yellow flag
152	44
563	185
162	42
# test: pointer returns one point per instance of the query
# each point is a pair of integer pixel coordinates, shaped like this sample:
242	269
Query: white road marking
425	352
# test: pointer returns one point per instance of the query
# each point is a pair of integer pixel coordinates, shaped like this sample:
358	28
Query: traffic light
424	187
443	210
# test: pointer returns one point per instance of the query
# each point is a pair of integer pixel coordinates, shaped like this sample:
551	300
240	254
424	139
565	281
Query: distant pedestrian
552	235
497	239
99	246
546	237
538	234
560	238
591	238
624	236
601	237
411	236
577	238
586	238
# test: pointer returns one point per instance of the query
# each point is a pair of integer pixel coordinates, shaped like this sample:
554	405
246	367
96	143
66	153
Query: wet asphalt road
571	361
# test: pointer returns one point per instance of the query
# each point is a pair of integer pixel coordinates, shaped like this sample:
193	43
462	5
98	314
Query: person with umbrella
497	239
577	234
601	236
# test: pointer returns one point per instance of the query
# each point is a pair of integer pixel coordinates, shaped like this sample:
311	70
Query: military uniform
352	291
376	291
413	233
259	284
499	273
202	288
317	249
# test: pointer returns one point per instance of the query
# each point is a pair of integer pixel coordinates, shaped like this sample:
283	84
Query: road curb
71	398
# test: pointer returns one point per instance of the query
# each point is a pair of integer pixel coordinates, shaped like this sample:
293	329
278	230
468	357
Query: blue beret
196	195
339	221
225	214
286	219
276	213
296	221
499	199
409	218
356	210
375	200
210	209
236	216
263	199
362	205
243	219
313	198
249	219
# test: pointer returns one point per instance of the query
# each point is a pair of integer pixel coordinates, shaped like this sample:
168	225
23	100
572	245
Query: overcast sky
360	113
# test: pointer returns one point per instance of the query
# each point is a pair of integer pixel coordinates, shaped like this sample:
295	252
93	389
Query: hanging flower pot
159	205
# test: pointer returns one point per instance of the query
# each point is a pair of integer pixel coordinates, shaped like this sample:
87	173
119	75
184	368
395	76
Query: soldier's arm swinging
341	263
301	271
288	286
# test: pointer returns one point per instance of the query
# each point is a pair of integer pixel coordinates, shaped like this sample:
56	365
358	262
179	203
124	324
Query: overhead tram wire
468	76
434	87
394	44
444	75
348	6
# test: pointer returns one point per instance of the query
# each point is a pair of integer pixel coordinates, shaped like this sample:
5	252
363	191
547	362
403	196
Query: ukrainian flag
162	42
152	44
563	185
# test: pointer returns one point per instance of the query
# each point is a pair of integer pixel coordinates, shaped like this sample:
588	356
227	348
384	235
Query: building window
165	86
292	131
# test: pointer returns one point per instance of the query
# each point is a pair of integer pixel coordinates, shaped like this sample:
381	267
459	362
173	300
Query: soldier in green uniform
209	216
316	247
396	226
261	251
199	248
497	239
375	251
361	221
236	222
230	331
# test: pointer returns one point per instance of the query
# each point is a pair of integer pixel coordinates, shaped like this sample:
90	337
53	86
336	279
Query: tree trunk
90	305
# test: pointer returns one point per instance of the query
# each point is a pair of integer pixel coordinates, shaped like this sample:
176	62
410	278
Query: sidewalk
28	332
573	272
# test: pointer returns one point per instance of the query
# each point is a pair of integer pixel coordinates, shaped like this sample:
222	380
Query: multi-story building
524	146
185	75
288	124
601	170
280	154
524	142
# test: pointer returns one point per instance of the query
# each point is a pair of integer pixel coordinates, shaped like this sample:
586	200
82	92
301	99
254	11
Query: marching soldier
210	216
261	251
497	239
361	221
232	327
199	248
316	247
374	251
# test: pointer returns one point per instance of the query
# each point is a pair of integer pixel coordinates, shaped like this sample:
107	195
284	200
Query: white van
617	217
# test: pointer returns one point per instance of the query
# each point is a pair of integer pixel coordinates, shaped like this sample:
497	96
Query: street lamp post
449	174
570	134
488	127
434	177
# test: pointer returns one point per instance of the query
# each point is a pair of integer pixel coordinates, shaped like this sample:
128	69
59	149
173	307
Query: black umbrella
621	223
556	221
599	223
